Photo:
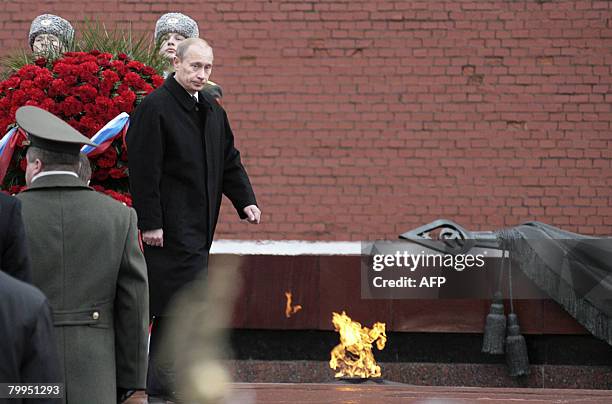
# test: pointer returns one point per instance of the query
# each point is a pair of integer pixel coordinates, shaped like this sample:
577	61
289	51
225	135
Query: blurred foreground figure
197	336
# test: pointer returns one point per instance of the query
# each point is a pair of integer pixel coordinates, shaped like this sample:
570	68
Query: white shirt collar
45	173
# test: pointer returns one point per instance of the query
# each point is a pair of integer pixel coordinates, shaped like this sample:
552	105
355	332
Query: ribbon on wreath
7	147
103	138
112	130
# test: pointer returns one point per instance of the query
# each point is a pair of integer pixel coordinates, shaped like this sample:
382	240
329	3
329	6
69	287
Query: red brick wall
363	119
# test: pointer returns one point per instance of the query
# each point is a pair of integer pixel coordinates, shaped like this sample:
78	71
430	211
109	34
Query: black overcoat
181	160
14	257
27	344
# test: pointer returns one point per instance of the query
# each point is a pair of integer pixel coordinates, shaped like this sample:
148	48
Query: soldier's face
194	70
45	43
169	42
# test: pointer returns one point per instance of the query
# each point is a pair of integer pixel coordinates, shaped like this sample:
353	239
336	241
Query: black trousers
161	374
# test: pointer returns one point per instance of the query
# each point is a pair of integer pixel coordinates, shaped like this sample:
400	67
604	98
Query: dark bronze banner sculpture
573	269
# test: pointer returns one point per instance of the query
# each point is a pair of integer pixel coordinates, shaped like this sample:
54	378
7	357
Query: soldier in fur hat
50	34
170	30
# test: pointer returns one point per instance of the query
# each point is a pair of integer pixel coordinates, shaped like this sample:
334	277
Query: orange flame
353	356
289	309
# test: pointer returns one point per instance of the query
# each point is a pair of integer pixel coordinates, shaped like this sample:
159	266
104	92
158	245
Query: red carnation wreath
87	90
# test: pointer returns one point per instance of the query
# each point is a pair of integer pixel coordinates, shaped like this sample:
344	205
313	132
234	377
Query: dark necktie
196	102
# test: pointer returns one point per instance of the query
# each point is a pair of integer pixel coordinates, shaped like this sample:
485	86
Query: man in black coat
27	345
13	247
181	160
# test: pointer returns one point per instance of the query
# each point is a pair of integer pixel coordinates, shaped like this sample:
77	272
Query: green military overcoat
87	261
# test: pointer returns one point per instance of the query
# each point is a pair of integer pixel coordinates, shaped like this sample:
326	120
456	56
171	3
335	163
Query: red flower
26	84
123	198
108	158
70	79
58	87
119	196
105	108
125	101
103	62
157	81
43	80
101	174
33	103
148	71
120	67
4	124
134	80
135	65
86	92
83	58
29	72
41	62
122	56
88	68
93	81
118	172
70	106
35	94
63	69
10	83
49	105
19	98
88	126
108	82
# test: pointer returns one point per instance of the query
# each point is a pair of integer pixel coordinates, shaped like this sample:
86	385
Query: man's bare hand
253	214
154	238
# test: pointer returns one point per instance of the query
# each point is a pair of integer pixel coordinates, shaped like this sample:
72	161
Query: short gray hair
183	46
53	160
84	172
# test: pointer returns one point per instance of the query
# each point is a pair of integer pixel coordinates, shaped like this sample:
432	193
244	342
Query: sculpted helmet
176	22
51	24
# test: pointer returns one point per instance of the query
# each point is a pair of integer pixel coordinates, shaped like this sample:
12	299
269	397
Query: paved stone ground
430	374
398	393
331	393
